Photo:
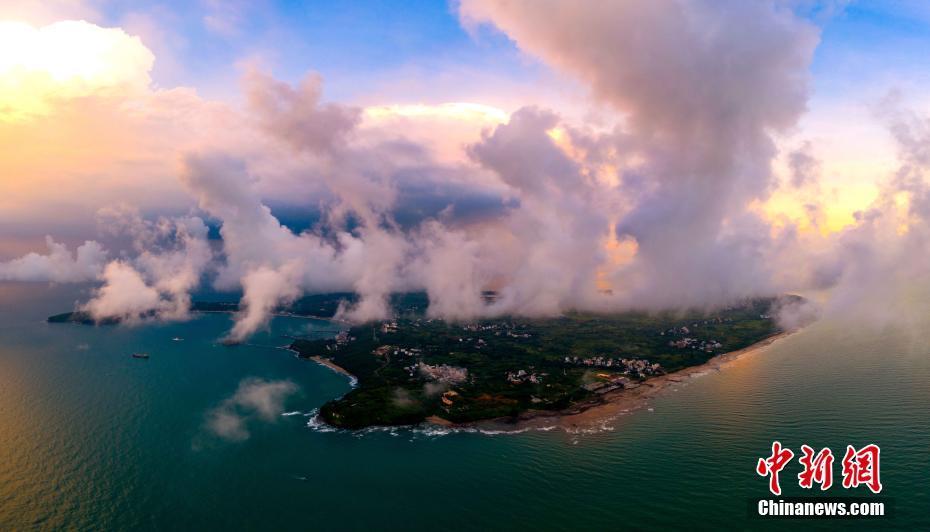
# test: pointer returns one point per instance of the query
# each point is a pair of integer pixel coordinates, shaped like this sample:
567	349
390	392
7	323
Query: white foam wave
316	424
603	426
416	432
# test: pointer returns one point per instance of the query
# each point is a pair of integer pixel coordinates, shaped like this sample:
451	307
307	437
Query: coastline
353	380
592	413
275	314
612	404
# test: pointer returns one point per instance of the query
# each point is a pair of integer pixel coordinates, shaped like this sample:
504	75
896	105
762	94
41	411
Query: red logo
817	468
773	464
861	467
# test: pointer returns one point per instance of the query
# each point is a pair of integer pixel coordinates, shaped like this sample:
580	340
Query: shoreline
592	413
275	314
613	404
353	380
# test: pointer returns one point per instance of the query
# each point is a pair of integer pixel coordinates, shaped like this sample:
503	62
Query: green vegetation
413	367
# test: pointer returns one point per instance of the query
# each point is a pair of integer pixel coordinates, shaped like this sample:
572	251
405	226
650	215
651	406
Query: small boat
140	355
177	339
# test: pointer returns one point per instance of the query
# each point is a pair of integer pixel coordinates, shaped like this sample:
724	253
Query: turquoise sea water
91	438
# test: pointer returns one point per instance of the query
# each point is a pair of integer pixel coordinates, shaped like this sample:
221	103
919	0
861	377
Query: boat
177	339
140	355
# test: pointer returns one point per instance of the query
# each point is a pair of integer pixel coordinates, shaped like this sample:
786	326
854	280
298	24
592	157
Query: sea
202	436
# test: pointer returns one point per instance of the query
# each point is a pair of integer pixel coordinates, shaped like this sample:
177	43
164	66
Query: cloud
792	315
554	240
296	115
255	401
95	144
657	202
66	60
271	263
699	106
124	295
460	122
265	289
450	271
59	265
229	18
804	166
172	256
879	270
90	129
48	11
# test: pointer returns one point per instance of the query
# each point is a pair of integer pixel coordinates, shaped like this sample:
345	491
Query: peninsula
414	369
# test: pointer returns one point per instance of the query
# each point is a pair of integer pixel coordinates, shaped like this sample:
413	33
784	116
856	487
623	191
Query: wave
316	424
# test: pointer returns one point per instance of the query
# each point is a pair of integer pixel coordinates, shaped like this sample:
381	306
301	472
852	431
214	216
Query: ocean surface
92	439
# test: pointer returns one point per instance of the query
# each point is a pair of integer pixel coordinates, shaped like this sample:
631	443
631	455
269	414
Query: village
443	373
686	342
635	367
624	372
523	376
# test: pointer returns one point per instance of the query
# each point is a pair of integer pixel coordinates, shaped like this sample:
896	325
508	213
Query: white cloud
660	205
59	265
124	295
255	400
66	60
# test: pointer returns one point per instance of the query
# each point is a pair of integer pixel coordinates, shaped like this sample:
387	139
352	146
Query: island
414	369
322	306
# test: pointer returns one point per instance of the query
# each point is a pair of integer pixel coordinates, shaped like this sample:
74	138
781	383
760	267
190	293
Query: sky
601	156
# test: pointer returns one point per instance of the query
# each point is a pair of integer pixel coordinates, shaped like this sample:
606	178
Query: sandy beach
612	404
329	364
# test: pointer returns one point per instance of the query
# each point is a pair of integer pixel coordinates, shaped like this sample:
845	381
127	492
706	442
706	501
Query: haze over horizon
630	156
